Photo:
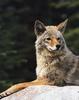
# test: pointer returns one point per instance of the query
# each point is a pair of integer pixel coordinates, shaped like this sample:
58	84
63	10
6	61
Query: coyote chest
58	69
50	67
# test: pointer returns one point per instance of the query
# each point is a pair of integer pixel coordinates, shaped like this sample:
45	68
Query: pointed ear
62	26
39	28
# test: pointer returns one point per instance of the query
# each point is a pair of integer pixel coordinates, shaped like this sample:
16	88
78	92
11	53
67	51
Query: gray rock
46	92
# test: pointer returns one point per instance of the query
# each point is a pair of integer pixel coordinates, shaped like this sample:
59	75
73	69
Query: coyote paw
4	94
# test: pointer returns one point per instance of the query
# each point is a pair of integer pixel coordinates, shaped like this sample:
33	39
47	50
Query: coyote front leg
21	86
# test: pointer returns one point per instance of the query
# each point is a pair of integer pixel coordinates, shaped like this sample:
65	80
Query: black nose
58	46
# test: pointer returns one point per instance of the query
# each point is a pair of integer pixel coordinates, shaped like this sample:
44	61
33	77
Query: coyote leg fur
21	86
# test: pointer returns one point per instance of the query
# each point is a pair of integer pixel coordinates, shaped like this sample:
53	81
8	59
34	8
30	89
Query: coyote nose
58	46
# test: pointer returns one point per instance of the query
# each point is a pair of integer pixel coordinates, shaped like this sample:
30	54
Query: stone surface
46	93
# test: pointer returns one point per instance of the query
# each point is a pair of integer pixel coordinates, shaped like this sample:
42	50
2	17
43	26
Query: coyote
56	64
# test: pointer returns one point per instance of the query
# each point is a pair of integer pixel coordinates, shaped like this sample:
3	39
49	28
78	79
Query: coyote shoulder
56	64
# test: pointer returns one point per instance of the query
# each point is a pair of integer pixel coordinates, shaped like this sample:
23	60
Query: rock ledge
46	92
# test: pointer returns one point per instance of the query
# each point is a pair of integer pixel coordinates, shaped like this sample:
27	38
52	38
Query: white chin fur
52	48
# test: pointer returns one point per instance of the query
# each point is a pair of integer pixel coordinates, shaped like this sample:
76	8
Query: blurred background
17	51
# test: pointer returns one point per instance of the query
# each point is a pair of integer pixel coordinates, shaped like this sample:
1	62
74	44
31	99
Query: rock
46	92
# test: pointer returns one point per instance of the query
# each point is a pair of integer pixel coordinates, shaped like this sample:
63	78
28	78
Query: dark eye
58	38
48	38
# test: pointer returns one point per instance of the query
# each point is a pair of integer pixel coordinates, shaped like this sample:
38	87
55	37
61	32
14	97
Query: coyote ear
61	27
39	27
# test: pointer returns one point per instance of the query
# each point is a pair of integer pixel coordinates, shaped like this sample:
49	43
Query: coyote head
50	37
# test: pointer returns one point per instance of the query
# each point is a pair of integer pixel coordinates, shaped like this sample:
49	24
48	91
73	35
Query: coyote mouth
58	47
54	48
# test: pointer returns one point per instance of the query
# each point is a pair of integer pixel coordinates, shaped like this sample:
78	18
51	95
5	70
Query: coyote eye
58	38
48	38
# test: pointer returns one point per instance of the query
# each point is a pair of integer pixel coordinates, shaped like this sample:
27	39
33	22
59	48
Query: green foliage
73	40
65	4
